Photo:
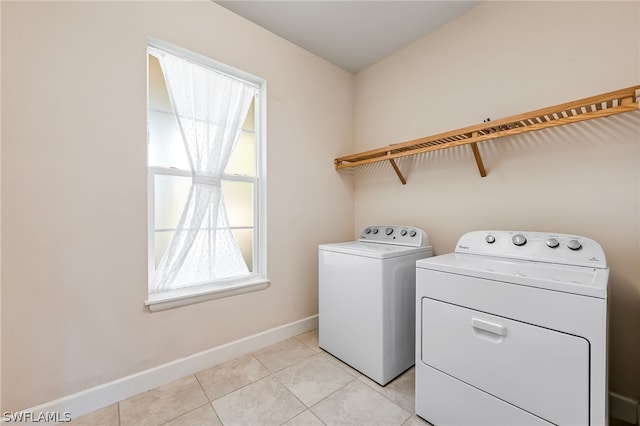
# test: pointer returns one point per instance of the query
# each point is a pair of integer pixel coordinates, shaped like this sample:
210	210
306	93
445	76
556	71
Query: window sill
188	296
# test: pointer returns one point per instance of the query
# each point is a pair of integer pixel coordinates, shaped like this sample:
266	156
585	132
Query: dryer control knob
412	233
490	239
403	232
574	245
375	230
519	240
368	230
388	231
552	242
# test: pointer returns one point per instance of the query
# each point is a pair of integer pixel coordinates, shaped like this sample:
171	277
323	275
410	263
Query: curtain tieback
206	180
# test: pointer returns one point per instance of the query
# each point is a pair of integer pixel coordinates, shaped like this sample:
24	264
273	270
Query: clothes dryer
367	299
511	329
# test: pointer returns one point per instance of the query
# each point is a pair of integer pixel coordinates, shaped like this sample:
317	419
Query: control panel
565	249
395	234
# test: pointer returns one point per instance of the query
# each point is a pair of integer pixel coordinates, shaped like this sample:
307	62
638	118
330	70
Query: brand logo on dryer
463	247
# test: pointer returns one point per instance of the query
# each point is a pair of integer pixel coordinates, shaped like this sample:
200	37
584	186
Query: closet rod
603	105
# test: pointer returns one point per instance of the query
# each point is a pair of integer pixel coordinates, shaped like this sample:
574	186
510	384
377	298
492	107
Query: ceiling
350	34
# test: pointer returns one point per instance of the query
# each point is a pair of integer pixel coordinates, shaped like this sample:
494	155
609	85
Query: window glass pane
249	122
238	198
162	239
166	148
244	238
171	194
158	94
243	158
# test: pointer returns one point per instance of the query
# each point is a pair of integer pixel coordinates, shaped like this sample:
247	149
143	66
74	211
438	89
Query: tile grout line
317	352
273	377
211	401
306	407
186	412
270	375
332	393
383	387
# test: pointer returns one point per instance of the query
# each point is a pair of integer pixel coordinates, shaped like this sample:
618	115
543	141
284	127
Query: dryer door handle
490	327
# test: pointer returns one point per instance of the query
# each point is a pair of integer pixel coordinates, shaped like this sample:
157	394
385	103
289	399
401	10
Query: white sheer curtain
210	108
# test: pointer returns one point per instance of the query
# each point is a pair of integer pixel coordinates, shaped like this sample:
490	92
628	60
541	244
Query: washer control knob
412	233
519	240
368	231
490	239
403	232
388	231
574	245
375	230
552	242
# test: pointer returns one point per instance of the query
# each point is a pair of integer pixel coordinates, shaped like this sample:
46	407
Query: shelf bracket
476	154
397	170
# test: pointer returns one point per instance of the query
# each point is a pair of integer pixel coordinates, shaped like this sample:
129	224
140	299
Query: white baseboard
109	393
624	408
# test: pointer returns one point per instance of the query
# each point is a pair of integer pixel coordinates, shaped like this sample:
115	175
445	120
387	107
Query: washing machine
511	329
366	300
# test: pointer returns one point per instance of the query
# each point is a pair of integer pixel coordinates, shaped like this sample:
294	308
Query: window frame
257	279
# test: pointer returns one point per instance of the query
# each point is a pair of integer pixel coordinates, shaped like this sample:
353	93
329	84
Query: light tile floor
291	383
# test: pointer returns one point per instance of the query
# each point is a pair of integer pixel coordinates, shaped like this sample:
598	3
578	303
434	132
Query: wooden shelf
604	105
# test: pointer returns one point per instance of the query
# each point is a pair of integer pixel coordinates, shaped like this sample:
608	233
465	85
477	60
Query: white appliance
512	330
367	299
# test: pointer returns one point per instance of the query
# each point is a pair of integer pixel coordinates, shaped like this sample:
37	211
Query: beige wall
74	189
502	59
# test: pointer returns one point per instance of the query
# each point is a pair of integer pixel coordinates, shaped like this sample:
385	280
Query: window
206	179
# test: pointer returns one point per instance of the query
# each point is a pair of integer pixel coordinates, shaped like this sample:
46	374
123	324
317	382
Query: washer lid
374	250
586	281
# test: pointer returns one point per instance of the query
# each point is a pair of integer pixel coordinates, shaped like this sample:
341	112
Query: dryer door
542	371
